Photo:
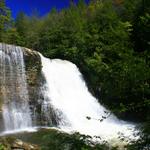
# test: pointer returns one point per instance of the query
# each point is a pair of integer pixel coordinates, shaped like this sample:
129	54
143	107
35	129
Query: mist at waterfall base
66	92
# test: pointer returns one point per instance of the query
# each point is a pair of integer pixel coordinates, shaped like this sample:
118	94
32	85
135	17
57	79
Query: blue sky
42	6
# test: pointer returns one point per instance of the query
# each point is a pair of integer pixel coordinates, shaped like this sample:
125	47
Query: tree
141	25
21	25
5	18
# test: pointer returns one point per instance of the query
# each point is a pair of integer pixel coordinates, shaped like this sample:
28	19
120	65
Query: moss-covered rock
52	139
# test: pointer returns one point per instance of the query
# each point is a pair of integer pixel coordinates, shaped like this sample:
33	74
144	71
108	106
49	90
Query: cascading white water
67	102
68	93
13	88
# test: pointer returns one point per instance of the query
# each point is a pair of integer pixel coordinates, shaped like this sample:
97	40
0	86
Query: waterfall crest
80	111
13	88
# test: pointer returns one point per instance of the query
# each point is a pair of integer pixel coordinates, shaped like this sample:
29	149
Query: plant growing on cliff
1	147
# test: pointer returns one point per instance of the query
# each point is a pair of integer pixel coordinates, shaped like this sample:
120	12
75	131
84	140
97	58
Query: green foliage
5	19
141	37
1	147
76	141
108	41
51	139
100	38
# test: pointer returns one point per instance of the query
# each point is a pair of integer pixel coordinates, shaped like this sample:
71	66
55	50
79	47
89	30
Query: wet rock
9	84
9	143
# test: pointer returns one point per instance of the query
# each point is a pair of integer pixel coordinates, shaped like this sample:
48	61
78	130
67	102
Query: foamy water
80	111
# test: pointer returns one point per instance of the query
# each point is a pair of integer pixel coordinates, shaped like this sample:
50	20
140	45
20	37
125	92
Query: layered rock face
20	75
23	102
34	81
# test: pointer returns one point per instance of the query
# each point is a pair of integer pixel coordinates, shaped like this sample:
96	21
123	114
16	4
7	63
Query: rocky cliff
16	64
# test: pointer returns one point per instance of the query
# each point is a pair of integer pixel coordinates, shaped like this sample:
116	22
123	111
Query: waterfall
13	88
64	101
80	111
